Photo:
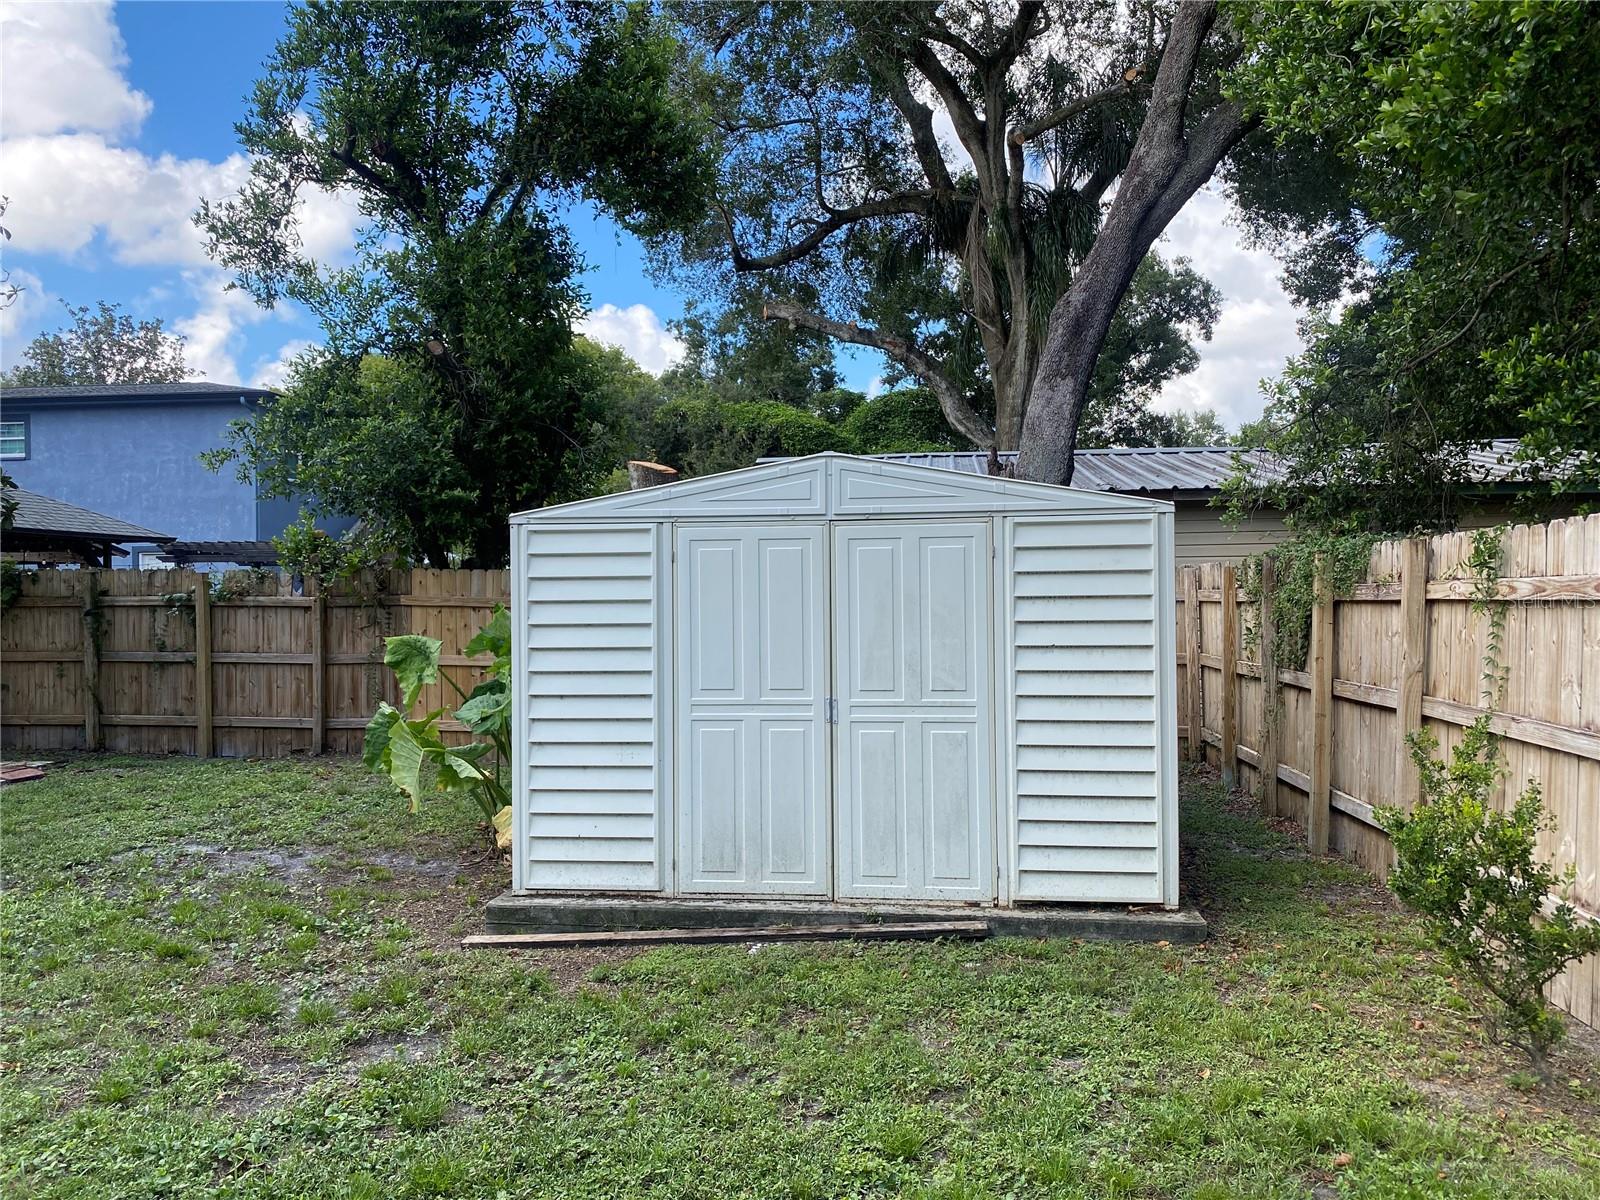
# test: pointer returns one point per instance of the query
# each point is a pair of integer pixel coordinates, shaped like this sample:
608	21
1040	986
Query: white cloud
213	335
77	192
1256	331
635	330
874	387
271	373
21	314
61	69
68	190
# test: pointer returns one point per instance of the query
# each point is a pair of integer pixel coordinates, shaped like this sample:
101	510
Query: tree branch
919	118
1169	94
961	415
1123	87
1223	128
969	126
899	204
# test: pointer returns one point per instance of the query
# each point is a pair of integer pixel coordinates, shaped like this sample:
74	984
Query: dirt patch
221	861
273	1083
571	971
397	1048
402	863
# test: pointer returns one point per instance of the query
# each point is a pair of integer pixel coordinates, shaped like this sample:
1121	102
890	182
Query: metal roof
133	393
44	514
263	554
1147	470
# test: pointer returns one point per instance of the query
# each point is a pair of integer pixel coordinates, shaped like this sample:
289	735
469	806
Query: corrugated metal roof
250	553
45	514
1148	470
134	392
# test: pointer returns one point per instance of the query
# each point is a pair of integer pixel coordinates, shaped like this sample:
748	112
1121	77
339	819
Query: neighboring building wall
140	463
1202	535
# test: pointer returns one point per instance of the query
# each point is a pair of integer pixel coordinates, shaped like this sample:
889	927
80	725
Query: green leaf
488	708
414	659
406	758
494	638
375	749
473	751
456	773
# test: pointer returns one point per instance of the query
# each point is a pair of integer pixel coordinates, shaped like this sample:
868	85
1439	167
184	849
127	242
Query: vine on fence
1295	593
1484	563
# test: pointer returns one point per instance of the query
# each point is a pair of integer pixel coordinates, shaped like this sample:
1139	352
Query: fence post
1267	628
1230	676
1413	667
1191	660
1319	812
319	671
90	585
204	720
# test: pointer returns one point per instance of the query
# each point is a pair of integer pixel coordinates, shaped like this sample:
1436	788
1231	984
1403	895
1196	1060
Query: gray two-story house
132	451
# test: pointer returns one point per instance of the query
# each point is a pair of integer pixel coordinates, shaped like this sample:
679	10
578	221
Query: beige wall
1201	535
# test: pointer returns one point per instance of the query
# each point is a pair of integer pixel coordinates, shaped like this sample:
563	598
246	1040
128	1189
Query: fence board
1396	661
1407	651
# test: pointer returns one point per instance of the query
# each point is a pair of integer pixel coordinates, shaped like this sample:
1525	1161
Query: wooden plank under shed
887	931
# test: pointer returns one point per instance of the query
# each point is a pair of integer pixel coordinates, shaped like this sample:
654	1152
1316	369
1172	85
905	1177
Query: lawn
242	979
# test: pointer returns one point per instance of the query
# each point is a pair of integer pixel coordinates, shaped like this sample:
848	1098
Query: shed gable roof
839	485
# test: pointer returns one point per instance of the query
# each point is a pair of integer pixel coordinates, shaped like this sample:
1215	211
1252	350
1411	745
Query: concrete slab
511	913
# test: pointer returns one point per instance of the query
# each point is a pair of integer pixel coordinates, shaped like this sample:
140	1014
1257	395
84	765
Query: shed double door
835	711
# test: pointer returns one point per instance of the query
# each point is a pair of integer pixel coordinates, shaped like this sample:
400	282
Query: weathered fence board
282	674
1405	650
239	666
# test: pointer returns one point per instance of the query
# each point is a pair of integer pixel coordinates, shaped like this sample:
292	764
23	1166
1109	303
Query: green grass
242	979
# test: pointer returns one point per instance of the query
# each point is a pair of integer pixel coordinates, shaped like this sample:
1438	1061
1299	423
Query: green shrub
411	752
1473	874
702	436
904	421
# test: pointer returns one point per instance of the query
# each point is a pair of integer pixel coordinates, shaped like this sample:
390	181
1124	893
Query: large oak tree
1028	154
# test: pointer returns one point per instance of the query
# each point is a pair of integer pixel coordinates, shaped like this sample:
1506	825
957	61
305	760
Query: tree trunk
1168	164
1078	328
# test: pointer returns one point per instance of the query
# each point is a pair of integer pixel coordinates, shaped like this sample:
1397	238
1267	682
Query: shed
846	680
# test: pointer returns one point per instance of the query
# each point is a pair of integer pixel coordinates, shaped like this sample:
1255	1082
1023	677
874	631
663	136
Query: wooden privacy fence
1326	745
165	662
254	669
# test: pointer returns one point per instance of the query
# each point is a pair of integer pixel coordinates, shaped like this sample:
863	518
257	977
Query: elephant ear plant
410	750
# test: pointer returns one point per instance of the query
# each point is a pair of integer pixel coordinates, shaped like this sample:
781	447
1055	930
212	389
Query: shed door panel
911	606
752	681
1084	699
588	740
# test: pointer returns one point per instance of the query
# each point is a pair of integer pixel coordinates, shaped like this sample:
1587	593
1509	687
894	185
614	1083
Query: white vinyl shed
841	679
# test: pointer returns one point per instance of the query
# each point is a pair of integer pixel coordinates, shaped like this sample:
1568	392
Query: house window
13	439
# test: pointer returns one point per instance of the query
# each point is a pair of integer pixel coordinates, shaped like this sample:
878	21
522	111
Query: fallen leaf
1162	945
1317	1007
1205	1073
1416	1024
1343	1160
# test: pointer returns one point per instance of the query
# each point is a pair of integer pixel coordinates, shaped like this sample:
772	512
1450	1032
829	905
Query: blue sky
115	121
168	83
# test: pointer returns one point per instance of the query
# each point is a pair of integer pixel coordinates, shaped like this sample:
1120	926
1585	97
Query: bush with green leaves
411	751
314	553
1497	912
